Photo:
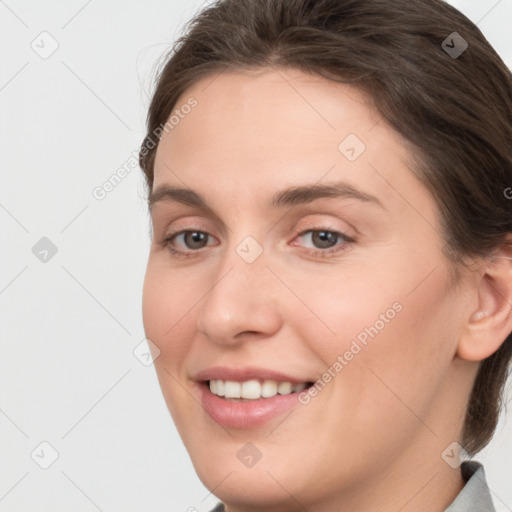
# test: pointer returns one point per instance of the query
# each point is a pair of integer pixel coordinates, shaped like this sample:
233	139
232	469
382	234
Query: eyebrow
292	196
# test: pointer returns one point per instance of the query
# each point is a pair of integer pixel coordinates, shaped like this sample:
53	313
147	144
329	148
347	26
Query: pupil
195	239
324	239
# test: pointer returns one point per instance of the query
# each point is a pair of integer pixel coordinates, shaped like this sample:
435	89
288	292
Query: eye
191	241
325	241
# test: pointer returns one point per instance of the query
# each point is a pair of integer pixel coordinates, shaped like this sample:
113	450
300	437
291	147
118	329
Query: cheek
166	303
381	332
394	353
155	301
342	309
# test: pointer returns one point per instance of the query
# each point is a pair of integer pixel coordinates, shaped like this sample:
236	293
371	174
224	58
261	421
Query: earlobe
491	322
478	315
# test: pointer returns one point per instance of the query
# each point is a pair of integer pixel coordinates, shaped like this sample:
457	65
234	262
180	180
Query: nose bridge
241	297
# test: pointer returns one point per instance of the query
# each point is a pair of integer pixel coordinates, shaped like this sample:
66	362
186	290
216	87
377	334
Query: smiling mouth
253	389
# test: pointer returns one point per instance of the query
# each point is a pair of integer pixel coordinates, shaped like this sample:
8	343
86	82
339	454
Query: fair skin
372	439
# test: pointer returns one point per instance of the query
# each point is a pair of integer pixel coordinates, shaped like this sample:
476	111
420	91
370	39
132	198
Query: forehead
277	106
271	128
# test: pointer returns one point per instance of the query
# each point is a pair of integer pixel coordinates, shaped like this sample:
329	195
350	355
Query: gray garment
474	497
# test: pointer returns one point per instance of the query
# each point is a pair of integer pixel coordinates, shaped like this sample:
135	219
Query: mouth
251	403
249	397
253	389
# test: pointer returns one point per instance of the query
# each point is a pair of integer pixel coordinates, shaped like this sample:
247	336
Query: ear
490	323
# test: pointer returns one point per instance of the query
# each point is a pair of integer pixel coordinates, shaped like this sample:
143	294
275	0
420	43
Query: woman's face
301	249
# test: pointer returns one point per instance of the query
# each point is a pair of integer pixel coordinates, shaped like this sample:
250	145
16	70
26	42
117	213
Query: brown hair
455	110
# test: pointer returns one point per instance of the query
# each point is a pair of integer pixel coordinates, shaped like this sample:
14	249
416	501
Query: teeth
251	389
254	389
232	389
269	388
284	388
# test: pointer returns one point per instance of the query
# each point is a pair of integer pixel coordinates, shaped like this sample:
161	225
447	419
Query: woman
329	284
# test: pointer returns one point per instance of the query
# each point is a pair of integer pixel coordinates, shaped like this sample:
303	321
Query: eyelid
317	221
328	229
310	222
191	221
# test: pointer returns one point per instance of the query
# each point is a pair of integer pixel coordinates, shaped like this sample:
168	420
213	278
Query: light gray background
68	375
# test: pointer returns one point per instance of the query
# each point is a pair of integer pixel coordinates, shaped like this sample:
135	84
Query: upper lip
242	374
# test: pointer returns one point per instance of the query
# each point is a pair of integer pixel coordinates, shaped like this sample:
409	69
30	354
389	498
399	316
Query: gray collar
476	495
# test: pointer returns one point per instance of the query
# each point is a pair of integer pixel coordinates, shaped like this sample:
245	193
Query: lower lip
245	415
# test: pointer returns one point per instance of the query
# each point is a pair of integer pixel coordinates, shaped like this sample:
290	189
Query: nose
242	302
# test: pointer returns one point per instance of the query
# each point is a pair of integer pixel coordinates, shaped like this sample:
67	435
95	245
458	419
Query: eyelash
322	253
